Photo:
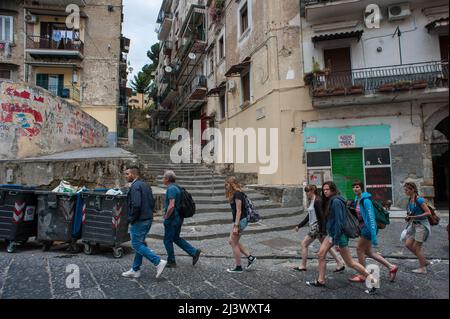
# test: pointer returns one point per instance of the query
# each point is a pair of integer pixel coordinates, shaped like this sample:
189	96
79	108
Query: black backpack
351	224
187	207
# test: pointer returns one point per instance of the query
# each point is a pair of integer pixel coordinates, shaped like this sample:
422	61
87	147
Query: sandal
393	274
299	269
357	278
340	269
315	283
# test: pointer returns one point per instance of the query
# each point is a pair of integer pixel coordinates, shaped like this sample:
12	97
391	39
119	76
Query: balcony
71	93
167	48
377	84
125	44
322	10
70	48
196	90
166	20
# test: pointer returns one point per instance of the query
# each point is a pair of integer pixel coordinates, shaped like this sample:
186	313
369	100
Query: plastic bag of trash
65	187
114	192
404	234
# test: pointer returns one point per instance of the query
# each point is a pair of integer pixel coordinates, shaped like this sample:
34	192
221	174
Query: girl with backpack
315	220
335	212
419	228
366	215
236	197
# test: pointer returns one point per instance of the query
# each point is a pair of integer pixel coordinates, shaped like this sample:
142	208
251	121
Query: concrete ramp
33	122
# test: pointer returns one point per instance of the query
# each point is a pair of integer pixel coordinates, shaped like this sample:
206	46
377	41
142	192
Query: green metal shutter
347	166
60	84
42	80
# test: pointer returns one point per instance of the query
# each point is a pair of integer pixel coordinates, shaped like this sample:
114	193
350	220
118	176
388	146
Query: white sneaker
132	274
160	268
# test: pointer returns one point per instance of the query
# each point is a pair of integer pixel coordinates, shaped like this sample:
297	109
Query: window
319	167
221	48
245	87
211	63
5	74
243	17
6	29
223	106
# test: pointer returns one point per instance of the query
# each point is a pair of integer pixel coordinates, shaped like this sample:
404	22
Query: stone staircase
213	218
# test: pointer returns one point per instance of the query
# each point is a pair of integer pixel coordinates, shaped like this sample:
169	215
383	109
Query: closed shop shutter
347	167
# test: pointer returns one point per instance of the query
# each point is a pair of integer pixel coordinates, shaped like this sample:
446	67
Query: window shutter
42	80
60	84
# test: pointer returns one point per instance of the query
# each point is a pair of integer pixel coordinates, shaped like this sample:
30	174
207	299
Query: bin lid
18	187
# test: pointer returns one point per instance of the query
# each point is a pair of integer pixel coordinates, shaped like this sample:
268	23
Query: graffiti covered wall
33	122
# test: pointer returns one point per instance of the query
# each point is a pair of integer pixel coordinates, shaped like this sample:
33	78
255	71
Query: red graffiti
12	92
7	116
39	99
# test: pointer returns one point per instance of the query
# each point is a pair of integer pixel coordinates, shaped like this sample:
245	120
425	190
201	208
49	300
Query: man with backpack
371	216
173	221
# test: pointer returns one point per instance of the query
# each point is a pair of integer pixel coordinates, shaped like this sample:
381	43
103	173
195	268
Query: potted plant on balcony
308	78
320	91
355	89
337	91
420	84
403	85
216	11
386	87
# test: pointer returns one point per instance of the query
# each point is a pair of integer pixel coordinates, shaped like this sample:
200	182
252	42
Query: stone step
225	219
222	208
182	170
195	180
216	192
223	200
205	186
205	231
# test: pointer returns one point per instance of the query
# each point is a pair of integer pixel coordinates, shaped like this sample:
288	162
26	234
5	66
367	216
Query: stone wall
33	122
408	166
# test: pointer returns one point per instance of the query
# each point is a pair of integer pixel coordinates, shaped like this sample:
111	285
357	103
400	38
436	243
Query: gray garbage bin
18	221
56	212
104	222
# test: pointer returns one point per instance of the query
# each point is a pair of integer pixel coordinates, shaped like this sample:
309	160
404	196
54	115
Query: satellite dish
168	69
192	56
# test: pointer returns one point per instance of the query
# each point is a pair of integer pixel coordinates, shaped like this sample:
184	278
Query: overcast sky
139	26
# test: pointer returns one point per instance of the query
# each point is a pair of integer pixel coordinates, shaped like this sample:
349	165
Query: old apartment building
349	101
85	65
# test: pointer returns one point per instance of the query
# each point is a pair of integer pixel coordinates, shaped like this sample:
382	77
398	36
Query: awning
239	68
217	90
438	25
50	12
335	36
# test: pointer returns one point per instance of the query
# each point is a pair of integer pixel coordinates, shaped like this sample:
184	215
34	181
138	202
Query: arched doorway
439	149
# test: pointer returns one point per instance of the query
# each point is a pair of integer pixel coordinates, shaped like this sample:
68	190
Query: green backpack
381	214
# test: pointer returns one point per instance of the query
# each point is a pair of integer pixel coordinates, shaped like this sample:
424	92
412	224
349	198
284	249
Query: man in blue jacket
141	205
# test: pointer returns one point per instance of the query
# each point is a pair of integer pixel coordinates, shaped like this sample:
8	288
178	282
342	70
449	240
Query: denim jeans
172	230
138	232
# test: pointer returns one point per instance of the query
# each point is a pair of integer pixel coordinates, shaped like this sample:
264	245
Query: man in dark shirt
141	205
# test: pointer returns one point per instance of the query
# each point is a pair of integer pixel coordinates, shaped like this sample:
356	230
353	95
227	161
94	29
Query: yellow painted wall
106	115
57	71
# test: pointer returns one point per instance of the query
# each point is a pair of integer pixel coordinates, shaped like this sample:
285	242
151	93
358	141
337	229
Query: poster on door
347	141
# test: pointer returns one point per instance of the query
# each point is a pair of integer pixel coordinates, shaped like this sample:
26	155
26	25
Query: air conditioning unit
231	86
399	11
30	18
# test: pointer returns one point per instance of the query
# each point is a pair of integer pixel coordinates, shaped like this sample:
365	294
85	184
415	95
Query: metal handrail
369	80
67	44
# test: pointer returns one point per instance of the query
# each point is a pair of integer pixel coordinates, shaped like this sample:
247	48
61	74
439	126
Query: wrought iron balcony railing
380	79
63	44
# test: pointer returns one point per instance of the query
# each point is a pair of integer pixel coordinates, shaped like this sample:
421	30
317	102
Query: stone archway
440	158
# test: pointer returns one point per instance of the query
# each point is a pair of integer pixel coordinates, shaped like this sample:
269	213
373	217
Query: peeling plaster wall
34	123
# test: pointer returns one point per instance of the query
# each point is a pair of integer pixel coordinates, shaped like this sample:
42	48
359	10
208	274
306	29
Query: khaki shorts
418	232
